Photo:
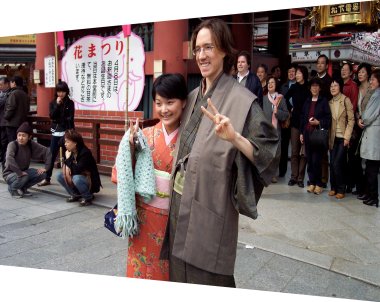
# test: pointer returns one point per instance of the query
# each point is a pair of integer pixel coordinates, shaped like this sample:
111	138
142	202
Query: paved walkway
340	236
45	232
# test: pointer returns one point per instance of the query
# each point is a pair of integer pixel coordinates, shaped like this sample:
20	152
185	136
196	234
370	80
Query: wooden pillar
278	37
242	32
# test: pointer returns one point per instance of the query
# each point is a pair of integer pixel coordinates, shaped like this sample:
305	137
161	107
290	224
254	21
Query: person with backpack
20	152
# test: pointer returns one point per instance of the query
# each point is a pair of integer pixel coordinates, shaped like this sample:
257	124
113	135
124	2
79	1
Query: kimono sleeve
251	177
265	141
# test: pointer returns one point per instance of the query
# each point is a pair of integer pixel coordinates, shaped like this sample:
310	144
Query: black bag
319	138
109	220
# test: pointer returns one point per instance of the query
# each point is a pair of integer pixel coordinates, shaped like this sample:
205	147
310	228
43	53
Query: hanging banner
49	72
94	69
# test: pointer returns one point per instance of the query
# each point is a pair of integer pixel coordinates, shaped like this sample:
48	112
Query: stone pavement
301	243
341	236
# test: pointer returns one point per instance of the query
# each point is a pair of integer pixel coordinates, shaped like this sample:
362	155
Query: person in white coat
370	141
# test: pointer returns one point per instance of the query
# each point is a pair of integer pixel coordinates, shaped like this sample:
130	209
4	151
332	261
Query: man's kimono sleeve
252	177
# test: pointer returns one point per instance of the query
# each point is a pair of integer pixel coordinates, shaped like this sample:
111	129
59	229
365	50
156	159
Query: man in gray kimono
226	154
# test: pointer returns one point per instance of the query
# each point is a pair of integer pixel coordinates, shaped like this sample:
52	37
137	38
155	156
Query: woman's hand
360	123
41	171
133	130
223	128
301	138
275	109
346	143
314	122
59	100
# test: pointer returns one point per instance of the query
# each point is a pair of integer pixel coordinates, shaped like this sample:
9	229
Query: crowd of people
332	108
336	104
183	182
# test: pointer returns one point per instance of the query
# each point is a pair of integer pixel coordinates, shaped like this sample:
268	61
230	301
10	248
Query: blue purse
109	220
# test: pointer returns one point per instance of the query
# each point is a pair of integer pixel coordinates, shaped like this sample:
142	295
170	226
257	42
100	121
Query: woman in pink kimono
169	94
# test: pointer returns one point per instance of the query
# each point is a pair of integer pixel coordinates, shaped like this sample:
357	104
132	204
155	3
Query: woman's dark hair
170	86
265	67
304	72
367	67
222	38
339	81
315	81
275	82
376	74
62	86
74	136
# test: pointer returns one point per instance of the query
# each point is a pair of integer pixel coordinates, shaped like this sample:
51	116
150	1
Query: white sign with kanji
49	63
94	68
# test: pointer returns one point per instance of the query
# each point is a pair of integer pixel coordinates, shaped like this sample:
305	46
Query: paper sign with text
94	67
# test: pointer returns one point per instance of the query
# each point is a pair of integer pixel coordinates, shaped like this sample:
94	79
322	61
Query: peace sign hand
223	128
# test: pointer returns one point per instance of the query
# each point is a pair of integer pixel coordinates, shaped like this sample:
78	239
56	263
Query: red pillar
168	45
44	47
330	69
168	42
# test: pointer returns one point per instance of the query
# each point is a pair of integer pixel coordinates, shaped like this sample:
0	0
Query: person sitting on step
20	152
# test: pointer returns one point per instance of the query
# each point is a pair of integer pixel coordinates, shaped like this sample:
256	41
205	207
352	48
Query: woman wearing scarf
275	109
169	94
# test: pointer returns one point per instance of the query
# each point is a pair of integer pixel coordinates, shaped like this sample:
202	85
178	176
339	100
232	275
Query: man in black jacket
247	78
5	90
16	108
285	132
322	67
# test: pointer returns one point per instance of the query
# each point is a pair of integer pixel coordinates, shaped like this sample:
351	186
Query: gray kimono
220	181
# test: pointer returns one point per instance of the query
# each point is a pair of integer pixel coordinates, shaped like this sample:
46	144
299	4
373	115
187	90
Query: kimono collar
203	84
169	137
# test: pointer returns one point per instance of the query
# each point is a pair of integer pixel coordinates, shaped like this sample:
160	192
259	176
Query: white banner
49	63
94	68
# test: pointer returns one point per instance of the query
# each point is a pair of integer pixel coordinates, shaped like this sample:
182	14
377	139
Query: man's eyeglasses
207	49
